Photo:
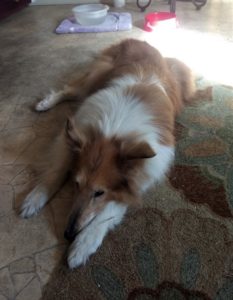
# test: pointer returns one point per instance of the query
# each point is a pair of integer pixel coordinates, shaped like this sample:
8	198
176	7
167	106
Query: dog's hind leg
94	78
52	177
53	98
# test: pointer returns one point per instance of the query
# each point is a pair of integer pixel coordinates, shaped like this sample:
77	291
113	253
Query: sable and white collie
119	142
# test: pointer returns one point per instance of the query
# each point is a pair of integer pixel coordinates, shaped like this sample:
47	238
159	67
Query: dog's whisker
99	223
106	220
85	226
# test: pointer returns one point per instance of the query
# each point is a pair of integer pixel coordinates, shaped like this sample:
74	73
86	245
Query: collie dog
119	142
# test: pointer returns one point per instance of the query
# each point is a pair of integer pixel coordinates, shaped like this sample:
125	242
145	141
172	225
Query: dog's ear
74	137
136	150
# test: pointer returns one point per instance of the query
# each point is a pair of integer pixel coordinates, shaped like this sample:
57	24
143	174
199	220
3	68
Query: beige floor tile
47	260
21	237
6	285
13	143
9	172
23	182
21	118
6	111
20	281
24	265
34	154
7	199
31	292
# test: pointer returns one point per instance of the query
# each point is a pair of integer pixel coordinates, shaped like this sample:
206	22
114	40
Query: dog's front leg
55	169
91	237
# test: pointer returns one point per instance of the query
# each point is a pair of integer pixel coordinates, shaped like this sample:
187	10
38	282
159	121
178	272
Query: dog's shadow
27	136
30	149
44	130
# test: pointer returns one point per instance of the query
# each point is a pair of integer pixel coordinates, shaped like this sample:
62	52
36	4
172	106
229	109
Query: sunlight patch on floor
207	54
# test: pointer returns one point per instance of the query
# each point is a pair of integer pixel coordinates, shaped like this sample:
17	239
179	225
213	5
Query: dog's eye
98	193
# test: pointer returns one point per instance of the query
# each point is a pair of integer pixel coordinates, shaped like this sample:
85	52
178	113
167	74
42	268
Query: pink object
165	20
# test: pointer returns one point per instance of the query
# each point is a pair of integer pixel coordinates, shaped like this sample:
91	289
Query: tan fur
109	165
139	58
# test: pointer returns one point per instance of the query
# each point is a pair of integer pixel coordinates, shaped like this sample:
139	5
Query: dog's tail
205	94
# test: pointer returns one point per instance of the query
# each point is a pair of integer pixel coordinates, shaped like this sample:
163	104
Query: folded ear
137	150
75	138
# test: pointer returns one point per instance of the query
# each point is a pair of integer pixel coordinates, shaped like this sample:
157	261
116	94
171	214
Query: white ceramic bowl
90	14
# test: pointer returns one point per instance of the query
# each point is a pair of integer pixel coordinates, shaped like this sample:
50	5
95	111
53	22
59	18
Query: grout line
25	286
24	166
25	148
12	281
50	248
3	214
34	253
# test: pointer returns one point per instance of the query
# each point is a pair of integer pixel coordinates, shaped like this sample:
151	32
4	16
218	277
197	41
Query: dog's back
142	60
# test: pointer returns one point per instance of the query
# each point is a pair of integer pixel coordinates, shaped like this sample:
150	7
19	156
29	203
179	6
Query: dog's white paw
33	203
47	102
84	245
43	105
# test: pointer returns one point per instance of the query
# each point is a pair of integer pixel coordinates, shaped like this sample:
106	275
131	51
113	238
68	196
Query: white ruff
116	113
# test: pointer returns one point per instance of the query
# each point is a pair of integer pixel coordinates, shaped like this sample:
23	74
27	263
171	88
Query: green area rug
180	244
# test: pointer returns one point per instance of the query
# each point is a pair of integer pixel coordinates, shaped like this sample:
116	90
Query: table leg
172	6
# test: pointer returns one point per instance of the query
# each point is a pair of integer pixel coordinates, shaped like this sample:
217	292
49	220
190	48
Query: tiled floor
33	59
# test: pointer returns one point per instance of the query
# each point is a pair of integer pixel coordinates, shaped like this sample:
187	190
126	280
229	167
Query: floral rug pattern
180	245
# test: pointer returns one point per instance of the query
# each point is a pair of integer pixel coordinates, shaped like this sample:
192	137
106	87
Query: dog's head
104	170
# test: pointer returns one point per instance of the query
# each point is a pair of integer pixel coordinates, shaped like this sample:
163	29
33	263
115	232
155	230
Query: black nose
69	235
71	232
